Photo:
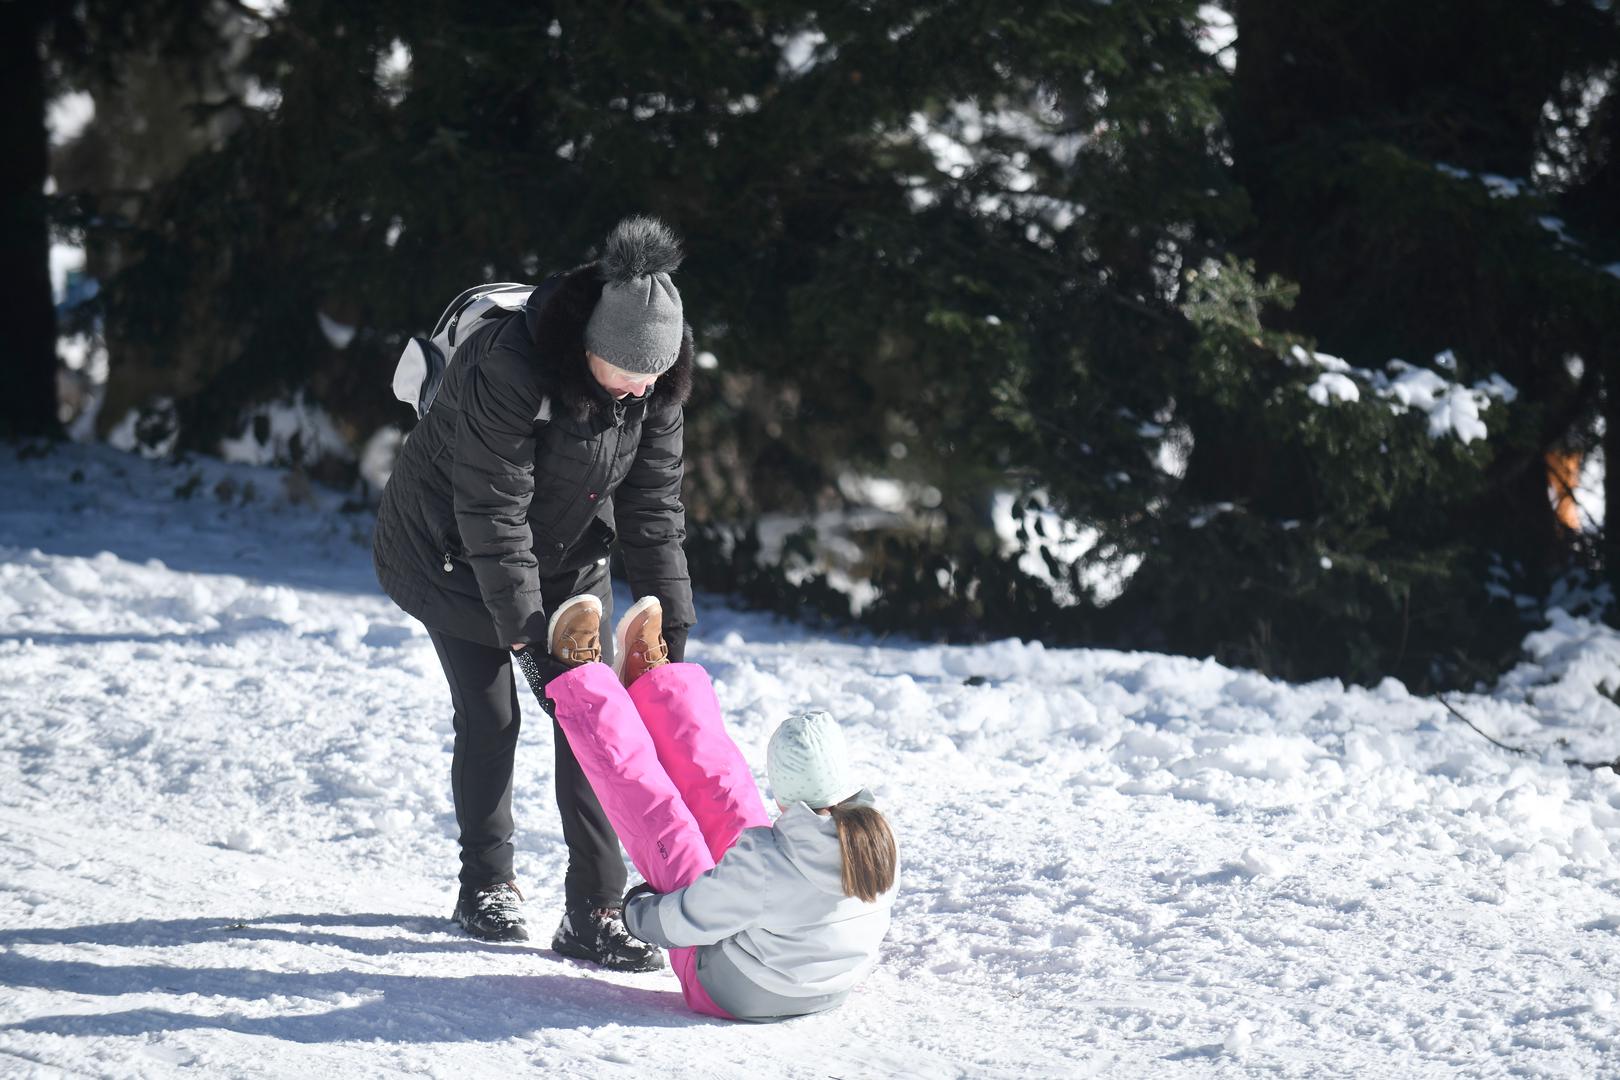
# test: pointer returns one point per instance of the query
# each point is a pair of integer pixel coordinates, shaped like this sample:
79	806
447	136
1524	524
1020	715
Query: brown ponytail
868	849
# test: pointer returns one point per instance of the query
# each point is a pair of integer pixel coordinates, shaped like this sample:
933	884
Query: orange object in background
1563	473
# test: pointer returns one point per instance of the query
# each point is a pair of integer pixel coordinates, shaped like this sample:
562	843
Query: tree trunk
1609	544
28	373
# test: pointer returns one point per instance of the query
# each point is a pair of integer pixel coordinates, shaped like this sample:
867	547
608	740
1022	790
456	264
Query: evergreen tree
53	48
1579	161
860	295
1037	251
1390	153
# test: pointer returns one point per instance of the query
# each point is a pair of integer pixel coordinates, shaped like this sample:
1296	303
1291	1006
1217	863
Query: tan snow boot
639	640
574	634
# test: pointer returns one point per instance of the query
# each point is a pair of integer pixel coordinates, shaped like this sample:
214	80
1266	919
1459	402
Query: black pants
484	692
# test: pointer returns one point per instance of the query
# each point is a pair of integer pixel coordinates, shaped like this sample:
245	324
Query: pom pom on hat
808	762
640	247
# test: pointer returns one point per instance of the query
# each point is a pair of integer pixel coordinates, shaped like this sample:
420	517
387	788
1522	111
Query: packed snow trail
226	837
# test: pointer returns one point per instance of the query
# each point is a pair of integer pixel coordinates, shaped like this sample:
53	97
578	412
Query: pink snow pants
674	785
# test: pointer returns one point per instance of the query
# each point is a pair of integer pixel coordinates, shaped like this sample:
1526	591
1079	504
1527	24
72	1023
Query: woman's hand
537	669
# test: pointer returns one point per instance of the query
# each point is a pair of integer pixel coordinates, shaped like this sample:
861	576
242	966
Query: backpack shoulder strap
542	292
531	311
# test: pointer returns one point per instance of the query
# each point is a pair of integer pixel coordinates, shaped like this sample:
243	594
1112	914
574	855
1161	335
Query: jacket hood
557	330
810	842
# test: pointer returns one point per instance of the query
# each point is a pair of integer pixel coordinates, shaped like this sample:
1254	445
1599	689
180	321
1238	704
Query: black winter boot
598	935
492	912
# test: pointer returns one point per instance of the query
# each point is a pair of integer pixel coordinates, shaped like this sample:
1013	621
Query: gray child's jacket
779	936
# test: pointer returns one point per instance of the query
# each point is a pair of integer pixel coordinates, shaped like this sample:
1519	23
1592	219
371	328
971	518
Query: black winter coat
526	468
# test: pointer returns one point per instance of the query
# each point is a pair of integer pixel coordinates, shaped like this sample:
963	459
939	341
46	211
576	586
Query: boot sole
653	963
582	600
517	933
621	632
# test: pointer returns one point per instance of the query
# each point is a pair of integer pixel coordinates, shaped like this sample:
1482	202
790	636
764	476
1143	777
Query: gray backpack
421	368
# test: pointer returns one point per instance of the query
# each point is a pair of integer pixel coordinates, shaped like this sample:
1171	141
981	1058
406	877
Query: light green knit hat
807	762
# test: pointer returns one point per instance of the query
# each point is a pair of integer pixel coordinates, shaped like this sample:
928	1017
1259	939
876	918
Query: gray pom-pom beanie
637	323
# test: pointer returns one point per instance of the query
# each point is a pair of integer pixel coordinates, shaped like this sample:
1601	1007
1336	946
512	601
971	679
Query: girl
763	921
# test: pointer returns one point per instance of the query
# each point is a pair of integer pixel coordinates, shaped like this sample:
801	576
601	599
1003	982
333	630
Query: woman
557	431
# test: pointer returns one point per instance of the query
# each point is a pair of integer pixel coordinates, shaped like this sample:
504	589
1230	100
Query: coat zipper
613	462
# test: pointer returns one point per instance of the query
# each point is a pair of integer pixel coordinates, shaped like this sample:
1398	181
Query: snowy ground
225	837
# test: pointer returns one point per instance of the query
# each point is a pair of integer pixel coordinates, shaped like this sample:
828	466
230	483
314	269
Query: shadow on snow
394	1007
